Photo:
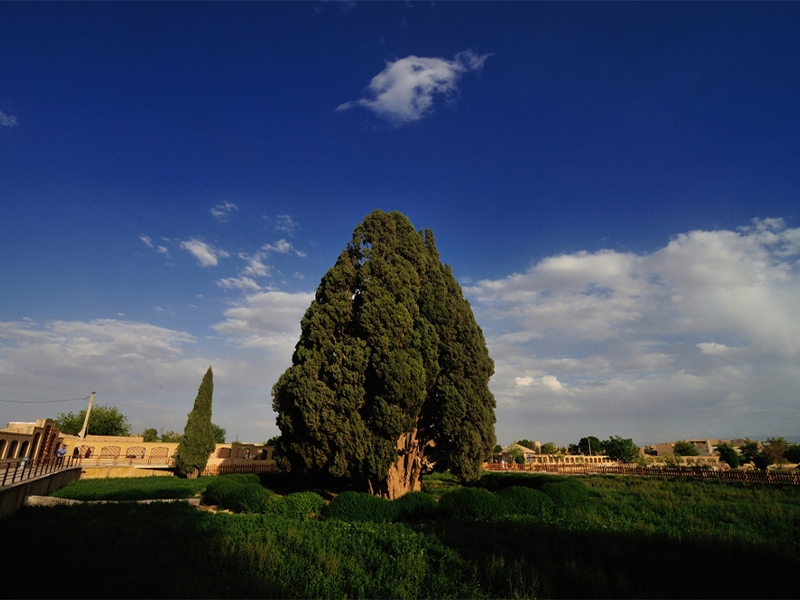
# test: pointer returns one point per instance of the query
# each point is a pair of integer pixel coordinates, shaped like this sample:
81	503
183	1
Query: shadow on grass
597	564
124	551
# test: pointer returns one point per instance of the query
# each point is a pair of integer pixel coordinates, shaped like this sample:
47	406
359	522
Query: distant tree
792	454
749	450
549	448
621	449
150	435
198	439
272	441
498	448
218	433
390	376
673	460
590	446
171	436
517	455
529	444
684	448
574	449
103	420
774	451
729	455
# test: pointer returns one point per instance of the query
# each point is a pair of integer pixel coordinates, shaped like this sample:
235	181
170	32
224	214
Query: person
61	453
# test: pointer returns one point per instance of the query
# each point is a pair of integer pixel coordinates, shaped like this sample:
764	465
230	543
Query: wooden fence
270	467
782	477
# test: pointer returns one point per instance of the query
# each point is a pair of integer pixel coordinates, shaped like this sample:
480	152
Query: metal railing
25	468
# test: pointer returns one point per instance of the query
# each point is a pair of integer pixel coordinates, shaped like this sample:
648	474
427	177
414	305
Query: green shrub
470	503
243	478
359	506
521	500
221	490
416	505
301	505
251	498
566	493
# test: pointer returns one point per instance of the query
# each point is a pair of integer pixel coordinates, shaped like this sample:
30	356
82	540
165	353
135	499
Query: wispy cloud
282	223
282	247
222	212
404	91
701	337
8	120
206	254
270	318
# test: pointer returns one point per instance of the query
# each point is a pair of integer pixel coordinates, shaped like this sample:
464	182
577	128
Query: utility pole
589	439
83	432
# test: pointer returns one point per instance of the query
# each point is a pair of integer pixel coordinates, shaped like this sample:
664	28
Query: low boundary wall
13	496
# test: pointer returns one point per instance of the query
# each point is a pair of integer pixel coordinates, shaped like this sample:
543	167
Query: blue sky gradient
614	184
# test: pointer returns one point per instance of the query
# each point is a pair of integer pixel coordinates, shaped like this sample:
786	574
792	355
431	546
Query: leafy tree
531	445
218	433
621	449
390	376
749	449
150	435
171	436
517	455
590	446
673	460
684	448
272	441
497	448
793	453
774	451
729	455
198	439
103	420
549	448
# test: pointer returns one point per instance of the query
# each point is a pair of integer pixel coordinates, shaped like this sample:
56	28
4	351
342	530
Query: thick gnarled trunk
405	474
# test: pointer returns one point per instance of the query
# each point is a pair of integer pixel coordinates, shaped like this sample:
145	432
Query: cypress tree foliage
198	438
390	376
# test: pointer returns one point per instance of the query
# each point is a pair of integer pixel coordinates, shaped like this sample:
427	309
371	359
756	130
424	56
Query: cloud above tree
405	90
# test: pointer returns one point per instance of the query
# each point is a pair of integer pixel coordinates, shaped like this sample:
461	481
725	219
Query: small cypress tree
198	438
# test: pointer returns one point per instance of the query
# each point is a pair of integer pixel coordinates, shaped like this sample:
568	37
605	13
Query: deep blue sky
588	148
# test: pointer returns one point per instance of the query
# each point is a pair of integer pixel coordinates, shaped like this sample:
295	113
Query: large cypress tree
198	438
390	376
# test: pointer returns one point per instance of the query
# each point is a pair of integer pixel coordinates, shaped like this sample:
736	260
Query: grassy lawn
631	537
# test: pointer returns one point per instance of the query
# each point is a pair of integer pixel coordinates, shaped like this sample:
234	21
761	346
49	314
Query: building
29	440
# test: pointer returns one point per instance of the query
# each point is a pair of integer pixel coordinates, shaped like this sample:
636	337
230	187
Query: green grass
135	488
631	537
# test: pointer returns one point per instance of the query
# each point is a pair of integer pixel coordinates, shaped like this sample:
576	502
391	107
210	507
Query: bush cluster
567	492
299	505
239	492
470	503
360	506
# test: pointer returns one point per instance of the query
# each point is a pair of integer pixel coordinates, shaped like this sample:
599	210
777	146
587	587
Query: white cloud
269	318
404	91
147	241
8	120
282	247
701	337
205	254
150	373
222	212
283	223
245	284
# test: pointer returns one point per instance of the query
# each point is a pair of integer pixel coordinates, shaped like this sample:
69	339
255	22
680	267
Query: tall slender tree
198	438
390	376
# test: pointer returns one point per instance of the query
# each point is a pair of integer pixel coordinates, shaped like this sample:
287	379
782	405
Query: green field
597	536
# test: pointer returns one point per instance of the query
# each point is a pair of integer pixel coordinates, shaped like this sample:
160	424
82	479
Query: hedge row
243	493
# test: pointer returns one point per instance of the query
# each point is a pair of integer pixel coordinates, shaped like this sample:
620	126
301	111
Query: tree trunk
405	474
